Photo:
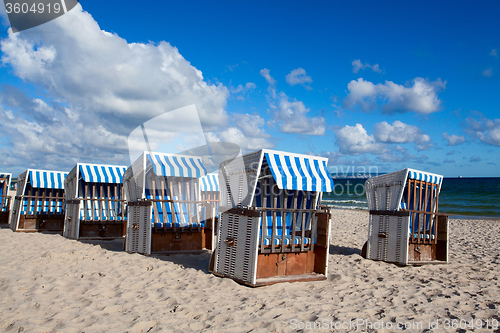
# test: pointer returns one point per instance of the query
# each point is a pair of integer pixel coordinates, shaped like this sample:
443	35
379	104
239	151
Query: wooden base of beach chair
389	240
4	217
101	229
238	256
40	222
166	242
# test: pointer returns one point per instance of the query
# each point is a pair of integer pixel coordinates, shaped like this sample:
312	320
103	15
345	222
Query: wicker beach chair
164	205
95	206
405	226
39	201
5	199
271	227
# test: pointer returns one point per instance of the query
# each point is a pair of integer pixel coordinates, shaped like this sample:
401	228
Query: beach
52	284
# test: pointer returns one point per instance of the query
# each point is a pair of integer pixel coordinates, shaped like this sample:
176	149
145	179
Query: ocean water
460	197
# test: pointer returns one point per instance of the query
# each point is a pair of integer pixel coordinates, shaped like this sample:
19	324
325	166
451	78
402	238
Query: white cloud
291	115
357	65
354	140
421	97
98	88
486	130
453	139
400	132
494	53
298	76
488	72
248	133
265	73
242	90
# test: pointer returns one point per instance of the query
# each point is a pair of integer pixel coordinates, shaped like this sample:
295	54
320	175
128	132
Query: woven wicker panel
237	180
139	229
384	192
394	246
237	261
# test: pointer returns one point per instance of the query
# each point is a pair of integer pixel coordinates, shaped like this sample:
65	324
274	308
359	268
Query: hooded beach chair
39	201
405	226
271	227
5	199
164	205
95	206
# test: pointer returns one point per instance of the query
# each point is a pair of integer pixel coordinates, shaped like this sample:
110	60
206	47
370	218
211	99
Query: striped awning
177	165
210	183
425	176
110	174
47	179
7	176
299	172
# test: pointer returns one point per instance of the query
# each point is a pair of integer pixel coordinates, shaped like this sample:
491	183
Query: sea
460	197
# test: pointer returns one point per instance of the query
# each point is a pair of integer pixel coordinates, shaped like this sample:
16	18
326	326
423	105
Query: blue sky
385	85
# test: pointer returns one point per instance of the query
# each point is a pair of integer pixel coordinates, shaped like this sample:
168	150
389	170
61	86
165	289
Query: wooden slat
273	213
172	205
189	208
303	226
164	204
283	220
181	211
294	220
263	218
155	206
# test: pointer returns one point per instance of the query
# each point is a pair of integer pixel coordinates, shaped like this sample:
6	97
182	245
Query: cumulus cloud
354	140
289	114
298	76
400	132
97	87
421	97
357	65
475	159
453	139
494	53
248	133
486	130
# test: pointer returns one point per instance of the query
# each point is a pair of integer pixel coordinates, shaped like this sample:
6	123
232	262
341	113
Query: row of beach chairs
260	215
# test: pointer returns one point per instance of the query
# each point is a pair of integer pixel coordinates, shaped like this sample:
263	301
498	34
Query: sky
373	86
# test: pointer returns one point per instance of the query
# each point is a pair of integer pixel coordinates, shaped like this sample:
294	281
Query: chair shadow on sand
197	261
334	249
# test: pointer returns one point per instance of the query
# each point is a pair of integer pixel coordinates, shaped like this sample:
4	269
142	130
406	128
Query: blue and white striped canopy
110	174
299	172
7	176
425	176
47	179
210	183
177	165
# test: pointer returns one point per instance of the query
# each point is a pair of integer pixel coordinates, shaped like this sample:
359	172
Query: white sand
52	284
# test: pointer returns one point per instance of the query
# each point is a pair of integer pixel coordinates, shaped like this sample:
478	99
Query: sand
52	284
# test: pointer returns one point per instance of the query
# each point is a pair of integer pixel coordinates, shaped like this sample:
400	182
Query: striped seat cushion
422	236
288	240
